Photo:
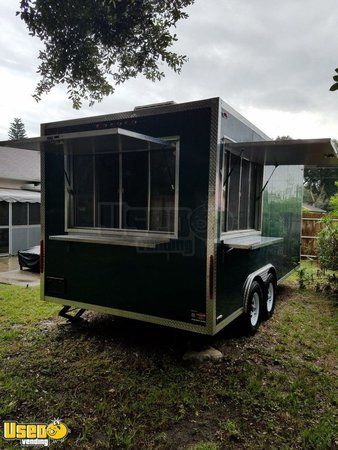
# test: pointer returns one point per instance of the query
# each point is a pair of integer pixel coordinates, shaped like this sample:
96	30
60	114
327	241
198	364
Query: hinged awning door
307	152
127	138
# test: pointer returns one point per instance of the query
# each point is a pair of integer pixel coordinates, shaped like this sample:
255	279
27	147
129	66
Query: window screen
107	190
83	188
4	213
244	211
20	213
135	190
162	171
233	192
243	184
127	186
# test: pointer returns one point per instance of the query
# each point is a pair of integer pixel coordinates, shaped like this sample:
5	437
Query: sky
273	61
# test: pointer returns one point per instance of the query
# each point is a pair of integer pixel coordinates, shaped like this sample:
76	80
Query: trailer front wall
281	217
169	281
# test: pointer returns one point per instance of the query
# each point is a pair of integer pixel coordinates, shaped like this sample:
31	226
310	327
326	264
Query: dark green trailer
184	215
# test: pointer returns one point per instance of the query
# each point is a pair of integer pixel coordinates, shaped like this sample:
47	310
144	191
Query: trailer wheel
270	297
251	318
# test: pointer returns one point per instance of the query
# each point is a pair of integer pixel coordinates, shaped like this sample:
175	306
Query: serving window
242	184
118	182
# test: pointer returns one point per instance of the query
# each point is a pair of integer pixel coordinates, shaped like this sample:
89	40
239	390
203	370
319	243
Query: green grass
124	385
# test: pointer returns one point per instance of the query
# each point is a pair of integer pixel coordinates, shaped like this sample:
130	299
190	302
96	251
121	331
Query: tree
334	87
17	130
334	201
283	138
321	183
93	45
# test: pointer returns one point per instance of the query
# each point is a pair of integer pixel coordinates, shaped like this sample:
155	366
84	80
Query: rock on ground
207	354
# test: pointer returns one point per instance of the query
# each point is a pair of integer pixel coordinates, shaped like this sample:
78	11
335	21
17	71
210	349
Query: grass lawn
120	384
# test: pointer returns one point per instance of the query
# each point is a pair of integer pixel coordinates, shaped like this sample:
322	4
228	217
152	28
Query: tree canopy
17	130
93	45
334	87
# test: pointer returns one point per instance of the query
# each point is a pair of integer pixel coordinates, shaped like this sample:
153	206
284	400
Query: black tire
252	317
270	297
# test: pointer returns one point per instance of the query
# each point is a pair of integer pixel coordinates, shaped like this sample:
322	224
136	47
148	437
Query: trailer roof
308	152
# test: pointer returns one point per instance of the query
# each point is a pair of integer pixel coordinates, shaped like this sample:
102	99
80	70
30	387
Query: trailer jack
72	318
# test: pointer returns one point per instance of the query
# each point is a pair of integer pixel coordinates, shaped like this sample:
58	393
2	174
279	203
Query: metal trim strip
212	210
131	315
227	320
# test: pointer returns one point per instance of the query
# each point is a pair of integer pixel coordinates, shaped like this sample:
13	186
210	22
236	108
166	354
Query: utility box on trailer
184	215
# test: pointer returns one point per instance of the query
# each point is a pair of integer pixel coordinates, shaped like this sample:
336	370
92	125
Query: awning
307	152
126	138
19	195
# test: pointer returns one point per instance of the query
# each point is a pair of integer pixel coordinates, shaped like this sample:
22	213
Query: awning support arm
265	185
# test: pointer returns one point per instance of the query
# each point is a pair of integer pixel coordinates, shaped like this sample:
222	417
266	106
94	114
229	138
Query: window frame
69	200
226	158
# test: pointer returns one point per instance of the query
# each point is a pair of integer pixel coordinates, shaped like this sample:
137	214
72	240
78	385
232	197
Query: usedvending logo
39	434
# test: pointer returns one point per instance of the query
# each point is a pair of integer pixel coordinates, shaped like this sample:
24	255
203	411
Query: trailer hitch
72	318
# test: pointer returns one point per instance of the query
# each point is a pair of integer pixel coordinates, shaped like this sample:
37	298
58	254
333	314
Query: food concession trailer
184	215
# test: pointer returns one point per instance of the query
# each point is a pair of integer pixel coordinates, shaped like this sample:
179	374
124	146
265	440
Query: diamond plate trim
212	215
42	215
132	315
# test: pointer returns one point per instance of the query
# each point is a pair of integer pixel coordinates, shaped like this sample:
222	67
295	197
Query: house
19	199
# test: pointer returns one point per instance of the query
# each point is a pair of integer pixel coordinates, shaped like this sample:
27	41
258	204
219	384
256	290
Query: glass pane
256	185
19	212
34	213
83	190
4	213
4	240
135	190
244	203
233	197
107	190
162	190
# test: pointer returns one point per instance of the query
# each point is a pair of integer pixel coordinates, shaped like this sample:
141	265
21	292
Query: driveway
10	273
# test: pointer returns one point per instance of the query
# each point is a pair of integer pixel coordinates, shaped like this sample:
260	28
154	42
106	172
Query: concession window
308	152
121	188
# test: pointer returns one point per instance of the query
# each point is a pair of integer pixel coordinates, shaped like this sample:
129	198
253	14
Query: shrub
328	244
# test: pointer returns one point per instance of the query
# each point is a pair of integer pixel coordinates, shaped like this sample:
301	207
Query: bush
328	244
313	278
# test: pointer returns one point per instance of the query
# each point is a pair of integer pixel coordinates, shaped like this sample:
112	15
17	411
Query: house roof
19	195
312	208
19	164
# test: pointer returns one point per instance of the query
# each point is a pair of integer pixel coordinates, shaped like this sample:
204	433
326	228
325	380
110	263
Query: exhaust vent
154	105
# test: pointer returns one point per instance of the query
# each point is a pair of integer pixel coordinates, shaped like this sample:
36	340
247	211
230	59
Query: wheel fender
259	275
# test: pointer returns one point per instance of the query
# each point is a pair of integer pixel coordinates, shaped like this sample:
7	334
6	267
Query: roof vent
154	105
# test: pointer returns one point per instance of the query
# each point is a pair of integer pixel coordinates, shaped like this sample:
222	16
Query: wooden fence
311	226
